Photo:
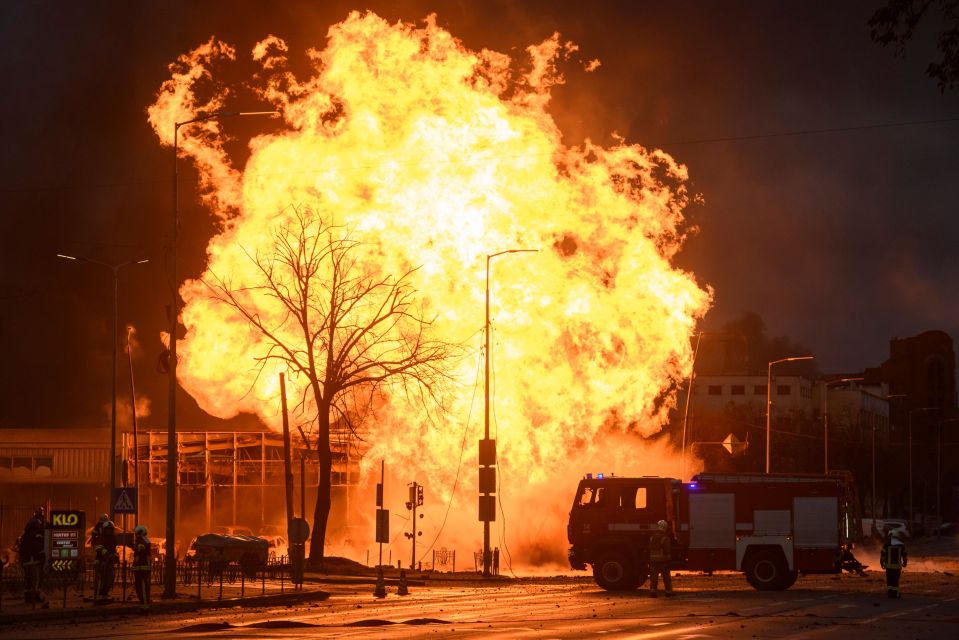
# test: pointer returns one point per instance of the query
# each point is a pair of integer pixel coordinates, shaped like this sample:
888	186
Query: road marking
895	614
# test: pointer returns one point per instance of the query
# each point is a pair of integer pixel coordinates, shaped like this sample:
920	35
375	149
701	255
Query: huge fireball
434	156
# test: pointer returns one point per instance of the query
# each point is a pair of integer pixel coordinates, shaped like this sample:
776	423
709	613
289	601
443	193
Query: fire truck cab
771	527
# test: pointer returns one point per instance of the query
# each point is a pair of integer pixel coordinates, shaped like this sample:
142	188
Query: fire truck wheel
766	570
615	572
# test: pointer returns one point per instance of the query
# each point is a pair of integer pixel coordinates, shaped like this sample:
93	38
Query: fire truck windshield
591	496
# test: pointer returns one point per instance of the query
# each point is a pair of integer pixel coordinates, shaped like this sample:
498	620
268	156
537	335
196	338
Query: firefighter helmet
140	530
663	525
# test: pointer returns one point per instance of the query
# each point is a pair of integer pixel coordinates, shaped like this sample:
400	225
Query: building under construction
235	478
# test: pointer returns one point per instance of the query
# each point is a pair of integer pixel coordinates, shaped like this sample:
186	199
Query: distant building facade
868	421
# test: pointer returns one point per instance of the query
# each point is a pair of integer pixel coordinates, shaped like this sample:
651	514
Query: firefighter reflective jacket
659	547
141	554
893	556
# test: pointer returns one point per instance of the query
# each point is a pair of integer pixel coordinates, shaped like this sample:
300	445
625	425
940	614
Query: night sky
839	233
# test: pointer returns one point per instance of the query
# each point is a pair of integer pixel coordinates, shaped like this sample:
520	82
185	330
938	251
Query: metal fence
203	579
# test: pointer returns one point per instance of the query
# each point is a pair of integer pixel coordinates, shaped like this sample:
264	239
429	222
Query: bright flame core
435	156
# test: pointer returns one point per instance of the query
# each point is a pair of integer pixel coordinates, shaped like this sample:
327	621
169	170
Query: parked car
278	546
233	530
250	552
158	548
882	527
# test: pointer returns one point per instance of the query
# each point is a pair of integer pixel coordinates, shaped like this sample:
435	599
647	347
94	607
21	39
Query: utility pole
287	461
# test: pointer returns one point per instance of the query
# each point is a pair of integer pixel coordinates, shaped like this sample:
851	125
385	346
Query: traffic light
419	495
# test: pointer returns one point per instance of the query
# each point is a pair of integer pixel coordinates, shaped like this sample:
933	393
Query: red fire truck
771	527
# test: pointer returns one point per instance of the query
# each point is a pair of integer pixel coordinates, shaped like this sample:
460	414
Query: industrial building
224	478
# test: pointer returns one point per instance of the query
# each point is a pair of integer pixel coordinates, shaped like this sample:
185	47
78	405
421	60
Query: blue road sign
125	500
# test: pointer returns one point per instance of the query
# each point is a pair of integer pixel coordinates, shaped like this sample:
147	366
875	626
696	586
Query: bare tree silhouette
345	328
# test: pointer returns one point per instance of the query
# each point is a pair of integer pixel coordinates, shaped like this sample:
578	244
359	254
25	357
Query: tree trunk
321	513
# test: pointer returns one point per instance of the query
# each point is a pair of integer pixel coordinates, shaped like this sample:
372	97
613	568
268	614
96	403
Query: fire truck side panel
710	530
712	521
816	522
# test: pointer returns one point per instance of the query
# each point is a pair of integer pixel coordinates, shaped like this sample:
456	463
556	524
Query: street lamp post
487	556
689	395
115	270
169	580
825	418
769	402
911	412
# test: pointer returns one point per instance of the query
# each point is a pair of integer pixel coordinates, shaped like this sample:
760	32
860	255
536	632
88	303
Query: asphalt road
718	606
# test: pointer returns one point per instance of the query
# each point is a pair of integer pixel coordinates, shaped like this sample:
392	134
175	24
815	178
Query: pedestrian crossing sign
125	500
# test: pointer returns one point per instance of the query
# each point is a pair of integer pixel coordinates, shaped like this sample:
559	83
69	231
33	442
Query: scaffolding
233	477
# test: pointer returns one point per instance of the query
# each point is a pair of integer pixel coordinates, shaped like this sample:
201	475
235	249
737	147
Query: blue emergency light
600	476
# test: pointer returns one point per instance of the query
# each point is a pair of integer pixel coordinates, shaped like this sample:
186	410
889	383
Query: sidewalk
80	605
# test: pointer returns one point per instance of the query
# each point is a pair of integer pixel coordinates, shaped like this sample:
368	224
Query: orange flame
435	156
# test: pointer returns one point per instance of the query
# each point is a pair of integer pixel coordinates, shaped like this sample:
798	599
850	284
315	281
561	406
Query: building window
715	390
43	466
738	390
759	390
783	389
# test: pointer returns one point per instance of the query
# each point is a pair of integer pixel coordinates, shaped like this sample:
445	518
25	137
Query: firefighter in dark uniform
32	558
106	558
141	565
659	555
893	558
98	529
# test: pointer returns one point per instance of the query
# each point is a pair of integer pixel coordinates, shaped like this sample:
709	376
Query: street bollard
380	590
221	583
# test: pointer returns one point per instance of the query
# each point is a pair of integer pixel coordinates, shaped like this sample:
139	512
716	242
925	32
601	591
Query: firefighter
141	565
893	558
32	559
659	555
97	529
106	557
